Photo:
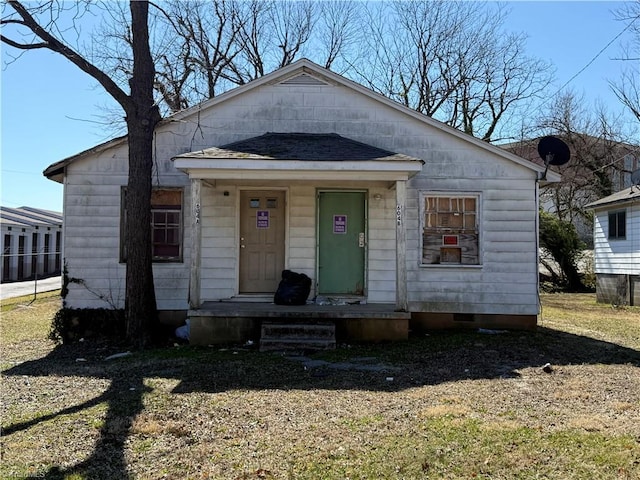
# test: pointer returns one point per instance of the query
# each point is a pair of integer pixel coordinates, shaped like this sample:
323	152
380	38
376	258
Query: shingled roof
299	146
631	194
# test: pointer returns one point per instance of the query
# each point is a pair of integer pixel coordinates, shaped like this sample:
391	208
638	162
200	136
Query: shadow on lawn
429	360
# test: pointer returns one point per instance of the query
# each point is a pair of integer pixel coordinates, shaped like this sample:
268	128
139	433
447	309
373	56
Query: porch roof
298	156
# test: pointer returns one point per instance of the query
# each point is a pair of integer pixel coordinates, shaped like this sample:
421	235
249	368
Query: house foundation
227	322
422	322
618	289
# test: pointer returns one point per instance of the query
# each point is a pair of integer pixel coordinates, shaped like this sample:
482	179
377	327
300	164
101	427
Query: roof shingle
299	146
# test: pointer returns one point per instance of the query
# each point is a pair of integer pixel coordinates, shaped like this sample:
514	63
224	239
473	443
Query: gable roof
305	72
628	195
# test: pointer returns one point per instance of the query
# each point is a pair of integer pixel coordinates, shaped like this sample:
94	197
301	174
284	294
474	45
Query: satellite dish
553	151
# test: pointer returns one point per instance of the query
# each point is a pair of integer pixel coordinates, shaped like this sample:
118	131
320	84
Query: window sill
448	265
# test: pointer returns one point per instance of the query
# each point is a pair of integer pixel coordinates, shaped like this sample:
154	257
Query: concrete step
298	345
297	336
298	330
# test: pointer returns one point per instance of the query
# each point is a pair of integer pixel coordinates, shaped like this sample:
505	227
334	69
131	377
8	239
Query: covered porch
308	161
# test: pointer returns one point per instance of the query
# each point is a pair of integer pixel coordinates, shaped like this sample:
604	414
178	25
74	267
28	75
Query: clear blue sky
48	105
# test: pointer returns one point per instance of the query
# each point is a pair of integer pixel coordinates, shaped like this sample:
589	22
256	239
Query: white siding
218	248
621	257
301	240
506	279
92	196
381	243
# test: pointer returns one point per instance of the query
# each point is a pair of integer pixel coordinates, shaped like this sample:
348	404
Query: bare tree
212	46
271	35
193	61
627	88
38	27
338	30
597	168
376	65
452	61
599	151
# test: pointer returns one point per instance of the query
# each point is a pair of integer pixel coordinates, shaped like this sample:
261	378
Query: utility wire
596	56
602	50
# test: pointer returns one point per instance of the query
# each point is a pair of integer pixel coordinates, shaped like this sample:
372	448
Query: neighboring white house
616	238
31	243
305	170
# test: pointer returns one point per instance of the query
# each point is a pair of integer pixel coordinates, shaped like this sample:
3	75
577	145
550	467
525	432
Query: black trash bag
293	289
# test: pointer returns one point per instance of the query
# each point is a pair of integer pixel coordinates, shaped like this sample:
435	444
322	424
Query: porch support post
196	227
401	247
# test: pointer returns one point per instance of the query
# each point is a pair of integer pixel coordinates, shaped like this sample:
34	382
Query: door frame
259	188
365	272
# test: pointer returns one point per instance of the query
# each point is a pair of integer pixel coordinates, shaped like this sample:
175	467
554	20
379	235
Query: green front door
341	243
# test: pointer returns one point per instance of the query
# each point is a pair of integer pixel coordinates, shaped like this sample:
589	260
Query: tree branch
23	46
55	45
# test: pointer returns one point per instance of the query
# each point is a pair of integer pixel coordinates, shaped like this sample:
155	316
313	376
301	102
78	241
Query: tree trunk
574	281
142	117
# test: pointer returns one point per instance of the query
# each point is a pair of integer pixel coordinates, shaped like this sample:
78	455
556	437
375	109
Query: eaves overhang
628	196
231	169
56	171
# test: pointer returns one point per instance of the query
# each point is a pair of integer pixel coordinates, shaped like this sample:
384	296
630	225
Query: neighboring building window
450	233
166	225
617	225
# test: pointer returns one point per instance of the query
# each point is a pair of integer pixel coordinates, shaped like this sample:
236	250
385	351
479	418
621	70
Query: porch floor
298	312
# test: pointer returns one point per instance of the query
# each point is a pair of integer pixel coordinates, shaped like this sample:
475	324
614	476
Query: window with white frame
617	225
450	232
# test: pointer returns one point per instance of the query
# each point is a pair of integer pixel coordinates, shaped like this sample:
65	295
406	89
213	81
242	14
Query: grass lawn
446	405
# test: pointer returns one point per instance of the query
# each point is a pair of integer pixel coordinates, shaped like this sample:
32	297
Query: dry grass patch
620	407
447	409
461	405
580	314
25	320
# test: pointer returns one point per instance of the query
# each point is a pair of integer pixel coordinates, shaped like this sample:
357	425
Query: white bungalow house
616	243
408	221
